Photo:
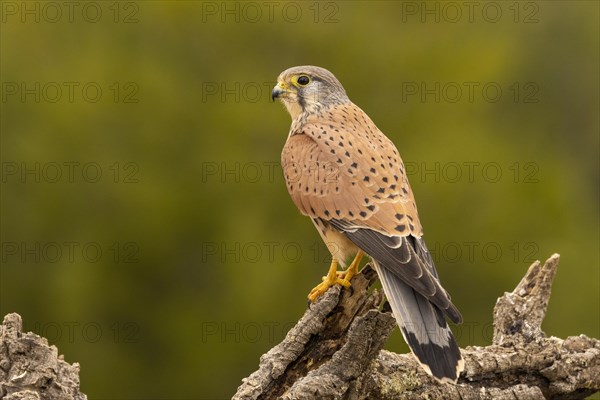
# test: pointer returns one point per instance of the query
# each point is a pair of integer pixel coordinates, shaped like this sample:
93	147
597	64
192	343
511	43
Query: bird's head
308	89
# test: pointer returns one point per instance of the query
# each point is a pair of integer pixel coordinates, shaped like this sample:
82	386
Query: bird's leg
352	269
337	277
328	281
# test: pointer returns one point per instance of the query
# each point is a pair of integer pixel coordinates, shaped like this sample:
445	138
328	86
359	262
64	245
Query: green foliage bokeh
205	261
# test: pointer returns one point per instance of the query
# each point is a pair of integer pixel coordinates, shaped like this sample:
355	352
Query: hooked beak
278	90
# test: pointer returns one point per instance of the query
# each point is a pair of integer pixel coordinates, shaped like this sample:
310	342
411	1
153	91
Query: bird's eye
303	80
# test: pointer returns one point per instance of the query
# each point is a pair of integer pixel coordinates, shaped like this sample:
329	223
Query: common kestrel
348	177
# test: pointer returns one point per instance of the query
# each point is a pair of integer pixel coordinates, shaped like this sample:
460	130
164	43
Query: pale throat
293	108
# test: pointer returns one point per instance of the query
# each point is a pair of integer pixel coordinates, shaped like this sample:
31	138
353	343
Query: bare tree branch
334	352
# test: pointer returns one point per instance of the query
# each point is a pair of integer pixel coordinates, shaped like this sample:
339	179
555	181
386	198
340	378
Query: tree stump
335	352
32	370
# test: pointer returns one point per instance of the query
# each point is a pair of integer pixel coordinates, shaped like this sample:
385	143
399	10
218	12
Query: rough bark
334	352
32	370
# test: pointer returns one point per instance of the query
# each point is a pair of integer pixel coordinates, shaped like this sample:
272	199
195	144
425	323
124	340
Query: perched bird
348	177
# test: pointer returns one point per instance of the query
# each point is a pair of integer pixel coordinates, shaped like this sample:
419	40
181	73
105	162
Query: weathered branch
32	370
334	352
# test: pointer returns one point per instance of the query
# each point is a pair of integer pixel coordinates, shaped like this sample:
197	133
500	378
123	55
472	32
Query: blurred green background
146	228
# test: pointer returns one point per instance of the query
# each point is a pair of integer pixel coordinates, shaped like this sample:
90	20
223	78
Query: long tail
424	328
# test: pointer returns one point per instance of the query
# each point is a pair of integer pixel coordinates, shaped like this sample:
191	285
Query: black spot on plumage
363	214
338	212
373	170
371	207
312	210
385	179
412	227
354	165
404	190
326	213
339	161
396	178
347	154
367	200
400	228
399	216
381	190
373	159
341	144
393	187
360	151
332	151
366	179
350	213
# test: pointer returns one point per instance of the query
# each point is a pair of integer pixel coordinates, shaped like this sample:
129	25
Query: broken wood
335	352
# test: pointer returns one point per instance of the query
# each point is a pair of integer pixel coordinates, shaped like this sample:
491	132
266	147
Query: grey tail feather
424	328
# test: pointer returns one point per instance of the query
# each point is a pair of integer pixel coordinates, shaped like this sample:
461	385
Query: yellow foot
335	277
352	270
328	281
